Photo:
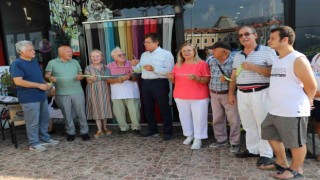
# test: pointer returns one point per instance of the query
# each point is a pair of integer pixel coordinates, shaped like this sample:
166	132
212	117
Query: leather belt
253	89
220	92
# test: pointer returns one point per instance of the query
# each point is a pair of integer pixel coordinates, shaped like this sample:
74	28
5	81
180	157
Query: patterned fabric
98	95
215	83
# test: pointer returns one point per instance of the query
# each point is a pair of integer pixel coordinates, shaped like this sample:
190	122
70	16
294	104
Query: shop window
307	27
219	18
34	29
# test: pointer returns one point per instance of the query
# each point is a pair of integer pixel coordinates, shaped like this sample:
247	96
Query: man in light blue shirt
154	64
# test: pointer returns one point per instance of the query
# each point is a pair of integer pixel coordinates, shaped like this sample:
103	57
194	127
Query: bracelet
200	79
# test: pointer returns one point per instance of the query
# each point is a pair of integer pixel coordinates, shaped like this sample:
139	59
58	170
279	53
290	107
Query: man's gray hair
114	50
21	45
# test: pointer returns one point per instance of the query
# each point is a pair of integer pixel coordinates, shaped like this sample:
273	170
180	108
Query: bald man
66	74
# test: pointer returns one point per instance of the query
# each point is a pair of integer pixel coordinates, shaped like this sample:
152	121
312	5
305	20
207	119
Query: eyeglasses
147	42
187	51
245	34
121	55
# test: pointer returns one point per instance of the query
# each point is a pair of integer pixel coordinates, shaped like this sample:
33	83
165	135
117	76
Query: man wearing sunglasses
251	72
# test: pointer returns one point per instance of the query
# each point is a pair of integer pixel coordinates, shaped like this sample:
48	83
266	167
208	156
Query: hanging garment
135	40
167	33
146	23
95	36
122	35
140	36
101	38
87	29
116	34
129	40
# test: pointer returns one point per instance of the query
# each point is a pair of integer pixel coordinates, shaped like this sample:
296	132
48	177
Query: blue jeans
36	115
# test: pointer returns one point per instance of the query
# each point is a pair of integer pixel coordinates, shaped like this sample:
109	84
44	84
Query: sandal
272	166
107	132
98	134
295	174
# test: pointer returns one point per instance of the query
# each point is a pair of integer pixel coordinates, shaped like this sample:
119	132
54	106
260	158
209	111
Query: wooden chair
16	119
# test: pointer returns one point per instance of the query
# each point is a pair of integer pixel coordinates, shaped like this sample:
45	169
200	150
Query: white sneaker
38	148
188	140
196	144
51	142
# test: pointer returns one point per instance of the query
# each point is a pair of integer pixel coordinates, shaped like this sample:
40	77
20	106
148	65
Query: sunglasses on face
244	34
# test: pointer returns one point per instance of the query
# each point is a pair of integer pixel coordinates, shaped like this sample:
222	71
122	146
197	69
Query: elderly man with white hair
31	91
124	92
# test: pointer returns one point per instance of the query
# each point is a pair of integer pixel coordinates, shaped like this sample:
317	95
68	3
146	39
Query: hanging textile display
127	34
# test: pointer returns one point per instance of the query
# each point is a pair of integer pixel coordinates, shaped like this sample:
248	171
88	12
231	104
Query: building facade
203	22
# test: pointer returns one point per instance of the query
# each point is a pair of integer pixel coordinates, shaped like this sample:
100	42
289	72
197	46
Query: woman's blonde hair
181	59
99	52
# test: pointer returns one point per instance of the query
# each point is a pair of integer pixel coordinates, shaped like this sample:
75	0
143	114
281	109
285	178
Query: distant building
226	30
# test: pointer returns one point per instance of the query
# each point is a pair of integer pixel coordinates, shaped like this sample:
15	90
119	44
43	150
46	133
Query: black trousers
157	91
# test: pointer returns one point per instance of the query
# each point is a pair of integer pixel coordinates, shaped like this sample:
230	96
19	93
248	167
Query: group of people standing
270	90
269	94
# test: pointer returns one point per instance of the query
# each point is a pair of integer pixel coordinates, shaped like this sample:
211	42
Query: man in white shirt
291	92
154	64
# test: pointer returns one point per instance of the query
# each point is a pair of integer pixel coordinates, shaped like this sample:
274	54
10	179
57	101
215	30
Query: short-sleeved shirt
226	66
66	73
29	71
189	89
262	56
127	89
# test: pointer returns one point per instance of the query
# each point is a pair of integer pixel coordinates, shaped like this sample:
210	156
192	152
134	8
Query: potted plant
7	84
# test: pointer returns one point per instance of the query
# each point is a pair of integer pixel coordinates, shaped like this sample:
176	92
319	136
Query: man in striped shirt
251	72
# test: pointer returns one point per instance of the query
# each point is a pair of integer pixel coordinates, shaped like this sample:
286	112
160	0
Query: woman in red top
191	76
